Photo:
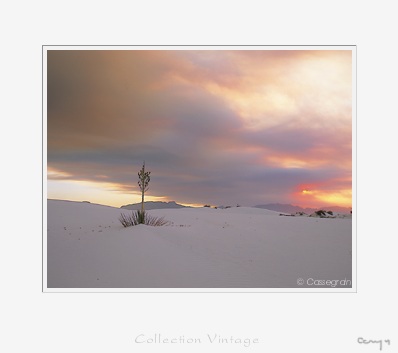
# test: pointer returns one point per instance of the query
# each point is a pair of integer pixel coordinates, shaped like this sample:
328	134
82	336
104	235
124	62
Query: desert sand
239	247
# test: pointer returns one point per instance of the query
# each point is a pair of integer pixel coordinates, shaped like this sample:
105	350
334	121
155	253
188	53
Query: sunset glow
311	197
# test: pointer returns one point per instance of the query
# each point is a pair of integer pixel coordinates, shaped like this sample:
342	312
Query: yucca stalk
143	181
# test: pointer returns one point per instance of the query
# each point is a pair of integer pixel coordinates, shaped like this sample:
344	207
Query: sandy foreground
241	247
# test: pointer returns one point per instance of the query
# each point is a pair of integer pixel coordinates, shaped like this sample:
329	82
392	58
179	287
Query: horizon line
194	205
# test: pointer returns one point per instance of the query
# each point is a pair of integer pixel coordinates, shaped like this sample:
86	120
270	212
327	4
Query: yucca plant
139	217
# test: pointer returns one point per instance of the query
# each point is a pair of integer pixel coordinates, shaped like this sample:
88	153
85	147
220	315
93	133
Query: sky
217	127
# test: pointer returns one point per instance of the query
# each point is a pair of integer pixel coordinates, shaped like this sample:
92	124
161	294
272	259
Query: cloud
213	127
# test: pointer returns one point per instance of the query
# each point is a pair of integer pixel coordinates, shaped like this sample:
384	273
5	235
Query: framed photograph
199	168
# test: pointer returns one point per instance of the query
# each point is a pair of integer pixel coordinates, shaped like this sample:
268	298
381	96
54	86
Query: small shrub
206	206
330	212
141	217
321	213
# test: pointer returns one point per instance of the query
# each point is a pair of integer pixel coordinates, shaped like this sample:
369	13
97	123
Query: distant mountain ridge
287	208
153	205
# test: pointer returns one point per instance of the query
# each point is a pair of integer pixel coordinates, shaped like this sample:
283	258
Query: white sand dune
87	247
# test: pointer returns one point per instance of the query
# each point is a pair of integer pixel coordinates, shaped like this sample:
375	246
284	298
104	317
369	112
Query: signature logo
380	343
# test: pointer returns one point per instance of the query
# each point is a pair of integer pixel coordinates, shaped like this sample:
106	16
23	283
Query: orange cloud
268	88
